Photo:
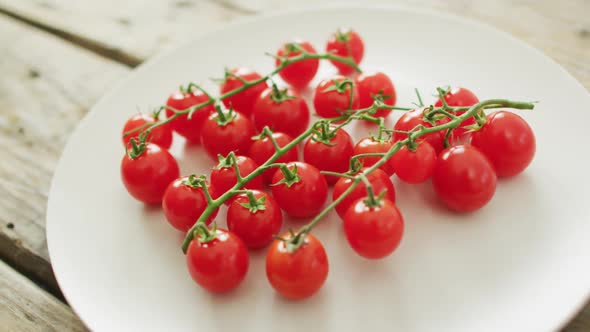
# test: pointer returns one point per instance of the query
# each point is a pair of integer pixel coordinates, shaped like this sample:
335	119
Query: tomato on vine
297	74
297	273
146	171
330	149
184	201
217	259
410	120
374	145
463	178
181	100
160	135
334	97
377	85
227	131
256	219
346	43
414	165
300	189
223	176
373	227
459	97
262	149
508	142
379	180
242	101
281	110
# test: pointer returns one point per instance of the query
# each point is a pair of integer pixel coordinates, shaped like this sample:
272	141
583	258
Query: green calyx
295	241
203	234
278	96
138	145
293	48
224	118
195	181
373	201
342	36
226	162
254	204
290	177
340	86
324	134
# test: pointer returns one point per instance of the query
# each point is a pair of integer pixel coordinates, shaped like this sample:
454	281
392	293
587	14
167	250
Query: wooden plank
128	31
46	87
132	31
26	307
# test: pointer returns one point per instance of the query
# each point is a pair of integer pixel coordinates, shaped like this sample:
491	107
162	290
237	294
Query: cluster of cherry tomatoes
254	122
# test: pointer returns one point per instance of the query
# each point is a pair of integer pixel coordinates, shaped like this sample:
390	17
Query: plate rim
559	323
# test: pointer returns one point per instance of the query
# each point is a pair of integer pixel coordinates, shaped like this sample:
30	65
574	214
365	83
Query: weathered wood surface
131	31
46	87
26	307
50	79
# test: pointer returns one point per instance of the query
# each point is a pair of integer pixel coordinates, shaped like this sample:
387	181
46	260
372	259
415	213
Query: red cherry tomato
219	265
242	102
300	73
183	204
346	44
508	142
256	224
161	135
281	110
147	176
299	274
409	120
223	176
377	84
304	197
414	166
372	145
262	149
373	231
189	129
332	97
379	180
221	137
459	97
463	178
330	153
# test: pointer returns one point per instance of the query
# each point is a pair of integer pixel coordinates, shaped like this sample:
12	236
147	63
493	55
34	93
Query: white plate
519	264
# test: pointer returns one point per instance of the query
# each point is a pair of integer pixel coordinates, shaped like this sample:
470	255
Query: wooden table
59	56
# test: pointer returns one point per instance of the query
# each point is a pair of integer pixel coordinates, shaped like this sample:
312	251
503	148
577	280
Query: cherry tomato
281	110
508	142
414	166
346	44
373	145
373	231
232	133
300	73
256	224
262	149
299	274
463	178
409	120
161	135
377	84
379	180
183	204
223	176
147	175
332	97
189	129
305	196
218	265
243	101
330	153
459	97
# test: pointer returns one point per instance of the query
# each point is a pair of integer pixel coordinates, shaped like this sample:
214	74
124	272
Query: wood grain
46	87
26	307
132	32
